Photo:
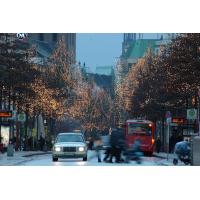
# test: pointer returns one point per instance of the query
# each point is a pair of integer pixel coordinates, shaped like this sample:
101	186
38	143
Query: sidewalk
167	160
19	157
163	155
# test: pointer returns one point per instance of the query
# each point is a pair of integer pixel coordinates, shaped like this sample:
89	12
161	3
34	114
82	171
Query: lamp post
1	99
198	110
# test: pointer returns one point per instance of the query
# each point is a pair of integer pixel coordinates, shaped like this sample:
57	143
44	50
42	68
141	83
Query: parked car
69	145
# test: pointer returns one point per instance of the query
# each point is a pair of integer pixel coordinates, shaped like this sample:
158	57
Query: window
55	37
69	138
41	37
134	128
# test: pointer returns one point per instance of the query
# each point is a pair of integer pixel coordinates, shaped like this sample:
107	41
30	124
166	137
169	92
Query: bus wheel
149	154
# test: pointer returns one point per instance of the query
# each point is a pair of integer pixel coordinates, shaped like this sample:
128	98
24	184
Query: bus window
139	128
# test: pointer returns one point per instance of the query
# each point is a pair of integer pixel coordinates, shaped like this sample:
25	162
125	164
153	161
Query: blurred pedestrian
115	146
172	142
158	144
182	152
14	142
30	143
108	150
91	143
22	144
134	152
97	147
42	142
121	142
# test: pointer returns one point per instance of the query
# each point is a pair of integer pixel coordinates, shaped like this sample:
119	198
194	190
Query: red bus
144	130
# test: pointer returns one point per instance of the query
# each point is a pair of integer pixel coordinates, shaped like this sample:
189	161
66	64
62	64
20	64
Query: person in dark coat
121	143
30	141
91	143
116	142
158	144
108	150
14	141
42	142
172	142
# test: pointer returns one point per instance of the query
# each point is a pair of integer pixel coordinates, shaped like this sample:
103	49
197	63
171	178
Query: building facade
104	70
45	44
134	47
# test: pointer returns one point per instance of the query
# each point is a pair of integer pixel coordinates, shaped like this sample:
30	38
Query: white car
69	145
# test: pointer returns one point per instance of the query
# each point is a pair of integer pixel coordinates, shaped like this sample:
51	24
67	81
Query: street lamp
198	110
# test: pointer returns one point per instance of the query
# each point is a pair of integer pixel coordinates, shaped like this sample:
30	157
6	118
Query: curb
17	163
159	156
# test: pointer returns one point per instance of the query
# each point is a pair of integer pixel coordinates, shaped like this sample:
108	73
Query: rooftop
104	70
44	49
138	48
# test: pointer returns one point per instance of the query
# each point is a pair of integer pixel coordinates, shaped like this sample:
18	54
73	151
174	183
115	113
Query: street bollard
191	149
10	150
195	152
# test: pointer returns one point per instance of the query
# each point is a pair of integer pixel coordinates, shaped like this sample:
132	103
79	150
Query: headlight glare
57	149
81	148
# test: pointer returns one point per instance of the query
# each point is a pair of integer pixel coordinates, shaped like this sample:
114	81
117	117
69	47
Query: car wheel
149	154
175	161
85	158
55	159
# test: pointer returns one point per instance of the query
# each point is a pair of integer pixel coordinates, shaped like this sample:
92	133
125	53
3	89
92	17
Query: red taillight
152	140
150	125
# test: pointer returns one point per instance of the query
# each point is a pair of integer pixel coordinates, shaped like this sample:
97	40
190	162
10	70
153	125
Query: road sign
168	114
178	120
192	113
168	117
21	117
5	113
169	120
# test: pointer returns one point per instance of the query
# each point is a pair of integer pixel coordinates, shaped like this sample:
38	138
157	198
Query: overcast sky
99	49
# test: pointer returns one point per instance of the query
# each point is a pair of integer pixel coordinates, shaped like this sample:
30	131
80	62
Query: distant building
134	48
45	44
103	81
164	40
137	49
104	70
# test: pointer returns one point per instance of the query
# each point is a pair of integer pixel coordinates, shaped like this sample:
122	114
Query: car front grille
69	149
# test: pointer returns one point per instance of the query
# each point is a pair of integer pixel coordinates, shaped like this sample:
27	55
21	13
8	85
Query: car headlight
81	148
57	149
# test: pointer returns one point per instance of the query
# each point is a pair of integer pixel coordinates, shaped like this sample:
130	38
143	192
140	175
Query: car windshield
69	138
136	128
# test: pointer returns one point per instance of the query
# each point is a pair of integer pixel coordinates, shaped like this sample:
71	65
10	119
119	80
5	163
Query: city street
46	160
66	104
100	100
